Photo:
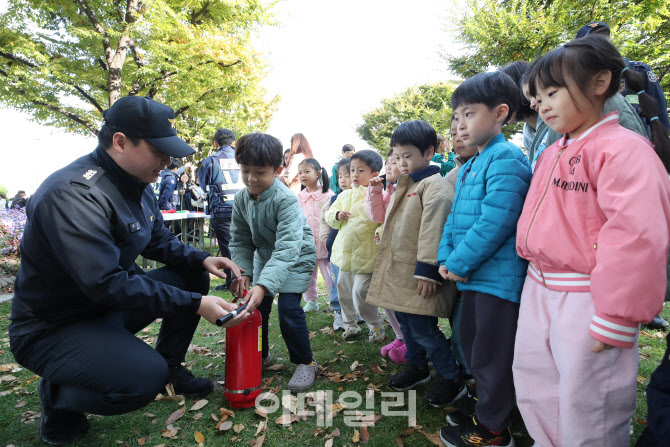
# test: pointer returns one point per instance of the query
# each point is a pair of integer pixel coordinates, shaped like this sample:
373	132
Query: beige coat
415	220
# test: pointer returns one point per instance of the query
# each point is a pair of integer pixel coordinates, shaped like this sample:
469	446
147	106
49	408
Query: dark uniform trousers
99	366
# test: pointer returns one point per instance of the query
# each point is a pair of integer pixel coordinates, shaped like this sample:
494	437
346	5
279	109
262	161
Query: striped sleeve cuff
613	331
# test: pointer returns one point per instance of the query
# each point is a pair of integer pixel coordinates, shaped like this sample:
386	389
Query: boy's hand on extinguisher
212	308
255	297
239	286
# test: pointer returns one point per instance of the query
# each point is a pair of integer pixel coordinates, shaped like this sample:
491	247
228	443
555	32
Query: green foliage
497	32
428	102
63	62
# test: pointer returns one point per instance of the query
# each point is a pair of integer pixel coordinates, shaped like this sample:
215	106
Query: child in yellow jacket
355	250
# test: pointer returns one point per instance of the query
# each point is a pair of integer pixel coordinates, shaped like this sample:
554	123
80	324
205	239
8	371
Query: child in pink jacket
595	229
312	198
376	201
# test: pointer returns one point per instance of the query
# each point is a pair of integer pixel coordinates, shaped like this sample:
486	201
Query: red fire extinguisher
244	376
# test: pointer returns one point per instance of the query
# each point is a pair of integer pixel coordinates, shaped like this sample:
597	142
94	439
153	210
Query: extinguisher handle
223	320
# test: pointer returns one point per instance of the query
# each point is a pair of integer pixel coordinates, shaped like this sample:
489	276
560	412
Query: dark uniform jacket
168	198
86	225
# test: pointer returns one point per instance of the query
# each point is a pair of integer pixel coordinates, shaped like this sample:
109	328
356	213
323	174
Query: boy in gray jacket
273	244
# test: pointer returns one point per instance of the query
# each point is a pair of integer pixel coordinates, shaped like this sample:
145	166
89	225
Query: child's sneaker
311	306
444	391
472	433
376	335
465	412
397	355
337	321
409	377
394	344
350	331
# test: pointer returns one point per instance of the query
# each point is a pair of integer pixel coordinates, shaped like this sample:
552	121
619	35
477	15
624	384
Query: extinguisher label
260	338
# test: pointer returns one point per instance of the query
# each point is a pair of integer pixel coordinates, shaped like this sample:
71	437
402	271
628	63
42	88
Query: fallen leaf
365	436
225	426
285	419
259	441
226	412
197	416
262	426
141	441
7	378
407	432
261	412
641	421
160	445
276	367
335	433
376	369
20	404
433	437
399	442
641	380
199	404
175	416
329	443
291	402
357	437
354	365
170	431
199	438
10	367
238	428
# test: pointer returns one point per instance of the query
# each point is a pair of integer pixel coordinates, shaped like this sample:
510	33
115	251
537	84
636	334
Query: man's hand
442	270
212	308
214	266
342	215
375	181
238	286
255	297
426	288
454	277
599	346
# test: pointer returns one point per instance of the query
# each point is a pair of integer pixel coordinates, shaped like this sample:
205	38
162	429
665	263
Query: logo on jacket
570	186
574	161
89	174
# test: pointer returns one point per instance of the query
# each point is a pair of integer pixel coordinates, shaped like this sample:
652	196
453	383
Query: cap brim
172	146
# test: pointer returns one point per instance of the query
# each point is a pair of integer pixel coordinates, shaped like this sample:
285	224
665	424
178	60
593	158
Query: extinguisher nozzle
223	320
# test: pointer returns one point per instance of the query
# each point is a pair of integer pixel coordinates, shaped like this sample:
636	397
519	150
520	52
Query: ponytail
659	134
324	179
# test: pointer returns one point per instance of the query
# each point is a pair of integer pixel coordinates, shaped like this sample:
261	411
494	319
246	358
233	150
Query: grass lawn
19	401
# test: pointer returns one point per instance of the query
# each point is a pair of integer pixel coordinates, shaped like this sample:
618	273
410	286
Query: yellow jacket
354	249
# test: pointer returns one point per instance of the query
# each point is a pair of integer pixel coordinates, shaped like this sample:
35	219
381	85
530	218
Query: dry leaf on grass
329	443
407	432
335	433
199	438
365	436
170	431
433	437
262	412
376	369
357	437
276	367
199	404
641	380
197	416
238	428
175	416
641	421
354	365
10	367
224	425
285	419
141	441
262	426
399	442
259	441
21	403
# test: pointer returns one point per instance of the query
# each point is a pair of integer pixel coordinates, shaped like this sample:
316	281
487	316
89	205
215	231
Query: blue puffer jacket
479	237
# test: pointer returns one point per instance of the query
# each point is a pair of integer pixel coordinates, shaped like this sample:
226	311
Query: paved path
7	297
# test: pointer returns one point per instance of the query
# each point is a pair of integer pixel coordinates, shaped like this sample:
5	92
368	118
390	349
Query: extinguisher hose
223	320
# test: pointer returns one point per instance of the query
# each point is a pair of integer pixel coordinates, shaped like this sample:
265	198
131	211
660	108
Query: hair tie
640	92
652	119
624	70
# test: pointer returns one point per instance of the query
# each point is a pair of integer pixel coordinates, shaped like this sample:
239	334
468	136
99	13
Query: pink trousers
569	396
324	266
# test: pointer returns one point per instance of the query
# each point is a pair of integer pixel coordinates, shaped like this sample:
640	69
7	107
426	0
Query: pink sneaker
397	355
388	348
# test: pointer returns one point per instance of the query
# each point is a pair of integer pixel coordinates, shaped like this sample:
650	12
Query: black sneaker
465	411
444	391
409	377
184	382
58	427
658	323
474	434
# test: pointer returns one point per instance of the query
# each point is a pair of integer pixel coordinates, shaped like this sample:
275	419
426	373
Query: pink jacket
596	219
312	205
377	200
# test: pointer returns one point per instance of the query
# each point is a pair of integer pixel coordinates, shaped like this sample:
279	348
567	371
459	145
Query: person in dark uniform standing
219	176
79	295
168	197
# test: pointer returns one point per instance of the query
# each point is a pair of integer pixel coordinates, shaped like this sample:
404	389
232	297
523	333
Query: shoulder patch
87	177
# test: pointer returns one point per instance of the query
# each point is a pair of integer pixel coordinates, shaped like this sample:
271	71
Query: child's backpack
652	88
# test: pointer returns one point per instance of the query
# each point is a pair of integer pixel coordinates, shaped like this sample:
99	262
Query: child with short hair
354	250
477	251
595	229
328	235
377	199
272	242
406	278
312	198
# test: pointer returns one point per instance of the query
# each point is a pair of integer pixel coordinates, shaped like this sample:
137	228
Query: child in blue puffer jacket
478	252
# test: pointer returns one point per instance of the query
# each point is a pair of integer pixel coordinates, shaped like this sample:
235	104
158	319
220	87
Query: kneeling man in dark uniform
79	295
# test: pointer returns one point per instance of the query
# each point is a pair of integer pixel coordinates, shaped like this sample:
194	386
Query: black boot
184	382
58	427
444	391
409	377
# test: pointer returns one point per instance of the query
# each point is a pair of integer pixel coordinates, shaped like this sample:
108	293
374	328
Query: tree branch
74	117
99	28
196	15
17	59
88	97
181	110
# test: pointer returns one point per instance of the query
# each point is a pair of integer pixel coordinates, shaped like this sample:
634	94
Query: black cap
590	27
150	120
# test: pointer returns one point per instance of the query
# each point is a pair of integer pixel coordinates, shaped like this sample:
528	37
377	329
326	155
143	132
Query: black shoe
444	391
409	377
658	323
472	433
184	382
58	427
466	410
